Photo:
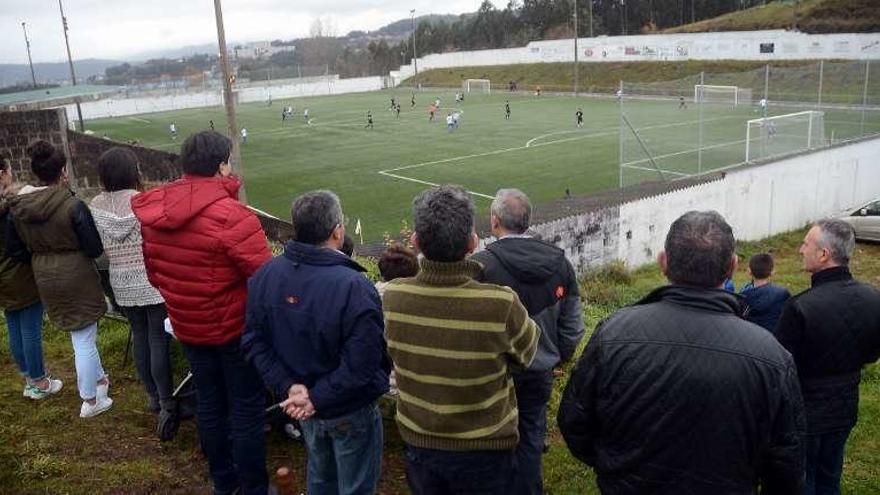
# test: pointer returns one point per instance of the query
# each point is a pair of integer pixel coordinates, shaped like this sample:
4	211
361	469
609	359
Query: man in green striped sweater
454	342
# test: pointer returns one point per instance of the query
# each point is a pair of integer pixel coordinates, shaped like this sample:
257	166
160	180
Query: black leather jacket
832	330
679	395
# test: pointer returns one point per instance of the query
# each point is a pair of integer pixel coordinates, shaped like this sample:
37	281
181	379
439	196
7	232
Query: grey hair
443	221
699	248
314	215
838	237
512	209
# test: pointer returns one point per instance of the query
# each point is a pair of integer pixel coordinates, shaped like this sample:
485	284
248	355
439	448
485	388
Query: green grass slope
809	16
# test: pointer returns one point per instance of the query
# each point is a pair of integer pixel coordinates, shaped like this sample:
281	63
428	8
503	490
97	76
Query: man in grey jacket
546	284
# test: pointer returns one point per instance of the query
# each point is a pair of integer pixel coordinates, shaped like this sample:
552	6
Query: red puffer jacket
200	247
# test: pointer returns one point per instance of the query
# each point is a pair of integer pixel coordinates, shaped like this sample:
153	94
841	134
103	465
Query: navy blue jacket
764	304
314	319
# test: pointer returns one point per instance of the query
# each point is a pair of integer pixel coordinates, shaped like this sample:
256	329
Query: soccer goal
784	134
725	95
476	85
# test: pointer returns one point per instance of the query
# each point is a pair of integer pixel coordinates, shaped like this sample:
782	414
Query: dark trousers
151	356
442	472
825	463
533	390
230	417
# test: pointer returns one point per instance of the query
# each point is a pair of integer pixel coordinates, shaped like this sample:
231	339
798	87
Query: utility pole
575	47
229	102
79	112
590	3
412	14
623	16
27	43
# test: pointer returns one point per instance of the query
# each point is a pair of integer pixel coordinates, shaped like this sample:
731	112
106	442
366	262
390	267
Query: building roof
49	94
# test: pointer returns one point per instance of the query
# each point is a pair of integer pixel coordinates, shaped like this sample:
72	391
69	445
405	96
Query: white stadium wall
758	202
766	45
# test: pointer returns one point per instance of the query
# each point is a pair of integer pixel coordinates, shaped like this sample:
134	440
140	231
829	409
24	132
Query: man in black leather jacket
832	329
678	394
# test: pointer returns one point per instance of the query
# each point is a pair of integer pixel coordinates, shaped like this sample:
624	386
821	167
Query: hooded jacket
121	236
547	286
680	395
832	329
313	318
200	247
18	289
764	304
54	230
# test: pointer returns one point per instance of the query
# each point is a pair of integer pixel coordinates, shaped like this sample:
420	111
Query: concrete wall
758	202
743	45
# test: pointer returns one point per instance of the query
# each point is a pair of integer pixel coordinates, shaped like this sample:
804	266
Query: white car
865	220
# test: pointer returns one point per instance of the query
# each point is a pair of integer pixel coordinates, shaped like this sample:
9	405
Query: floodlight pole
79	113
229	102
575	48
412	14
590	3
27	43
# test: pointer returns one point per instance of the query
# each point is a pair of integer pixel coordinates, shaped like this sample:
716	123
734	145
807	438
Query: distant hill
403	27
809	16
11	74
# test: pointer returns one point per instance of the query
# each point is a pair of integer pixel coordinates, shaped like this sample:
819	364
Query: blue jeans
345	453
26	340
444	472
825	463
87	360
533	390
230	418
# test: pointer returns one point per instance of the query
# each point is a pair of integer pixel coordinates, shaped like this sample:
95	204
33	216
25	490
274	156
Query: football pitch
377	172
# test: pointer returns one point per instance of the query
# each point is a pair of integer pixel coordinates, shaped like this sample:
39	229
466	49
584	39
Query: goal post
730	95
476	85
784	134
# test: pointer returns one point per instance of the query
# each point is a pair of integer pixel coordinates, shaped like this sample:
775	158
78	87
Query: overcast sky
117	28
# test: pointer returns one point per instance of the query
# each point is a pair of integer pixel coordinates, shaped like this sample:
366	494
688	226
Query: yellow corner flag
358	231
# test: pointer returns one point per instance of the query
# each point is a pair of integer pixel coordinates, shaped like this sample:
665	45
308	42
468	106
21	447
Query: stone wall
156	166
19	129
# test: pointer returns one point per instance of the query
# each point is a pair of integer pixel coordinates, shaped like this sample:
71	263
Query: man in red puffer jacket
200	247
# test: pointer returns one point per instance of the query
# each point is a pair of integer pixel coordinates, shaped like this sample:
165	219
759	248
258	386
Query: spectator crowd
693	389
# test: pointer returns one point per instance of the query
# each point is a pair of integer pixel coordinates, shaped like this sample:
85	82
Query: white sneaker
36	393
91	410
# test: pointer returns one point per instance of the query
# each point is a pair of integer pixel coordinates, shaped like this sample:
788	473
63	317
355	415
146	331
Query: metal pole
623	15
766	81
575	47
590	3
27	43
79	113
229	102
412	14
865	94
821	73
700	130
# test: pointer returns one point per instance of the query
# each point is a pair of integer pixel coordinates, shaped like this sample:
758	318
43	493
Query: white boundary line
138	119
432	184
694	150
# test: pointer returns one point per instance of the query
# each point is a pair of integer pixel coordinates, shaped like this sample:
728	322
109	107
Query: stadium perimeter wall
121	106
758	201
766	45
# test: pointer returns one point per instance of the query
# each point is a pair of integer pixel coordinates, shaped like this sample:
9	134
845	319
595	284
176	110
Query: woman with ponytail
55	232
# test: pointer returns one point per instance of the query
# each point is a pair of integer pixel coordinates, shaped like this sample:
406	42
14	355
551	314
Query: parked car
865	220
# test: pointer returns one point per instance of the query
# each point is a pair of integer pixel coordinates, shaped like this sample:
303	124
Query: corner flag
358	231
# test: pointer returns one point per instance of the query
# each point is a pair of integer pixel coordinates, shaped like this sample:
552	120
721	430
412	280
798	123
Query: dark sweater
764	304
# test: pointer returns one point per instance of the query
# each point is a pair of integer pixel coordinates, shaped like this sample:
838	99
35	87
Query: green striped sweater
454	342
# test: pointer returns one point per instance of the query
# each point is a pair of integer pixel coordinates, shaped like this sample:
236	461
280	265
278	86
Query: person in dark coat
315	331
679	394
547	285
764	299
55	232
22	307
832	329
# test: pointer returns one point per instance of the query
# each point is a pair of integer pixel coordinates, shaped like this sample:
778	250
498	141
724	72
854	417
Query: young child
764	300
398	261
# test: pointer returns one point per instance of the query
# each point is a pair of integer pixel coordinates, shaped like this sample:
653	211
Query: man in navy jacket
315	331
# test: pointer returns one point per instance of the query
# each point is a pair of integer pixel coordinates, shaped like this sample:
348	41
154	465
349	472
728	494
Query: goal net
784	134
476	86
724	95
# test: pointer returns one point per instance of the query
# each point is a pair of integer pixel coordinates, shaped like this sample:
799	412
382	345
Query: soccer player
450	123
397	109
173	129
437	103
458	97
579	115
507	110
413	101
369	119
538	90
763	107
771	129
431	110
243	135
393	104
456	116
619	94
306	116
283	114
211	123
681	103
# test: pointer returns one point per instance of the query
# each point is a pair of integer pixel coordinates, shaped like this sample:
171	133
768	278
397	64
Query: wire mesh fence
713	121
